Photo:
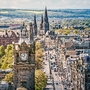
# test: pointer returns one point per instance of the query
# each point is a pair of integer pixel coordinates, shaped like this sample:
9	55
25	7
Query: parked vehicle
55	69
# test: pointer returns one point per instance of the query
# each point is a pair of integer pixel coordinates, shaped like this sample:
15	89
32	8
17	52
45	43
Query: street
50	68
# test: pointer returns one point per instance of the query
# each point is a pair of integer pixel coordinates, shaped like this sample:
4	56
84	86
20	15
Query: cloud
40	4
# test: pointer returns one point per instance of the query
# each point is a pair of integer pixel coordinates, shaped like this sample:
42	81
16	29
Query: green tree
40	80
37	45
75	32
2	51
7	59
66	32
9	77
38	55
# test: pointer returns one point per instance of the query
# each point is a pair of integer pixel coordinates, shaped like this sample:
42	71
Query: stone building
4	85
24	62
87	71
8	37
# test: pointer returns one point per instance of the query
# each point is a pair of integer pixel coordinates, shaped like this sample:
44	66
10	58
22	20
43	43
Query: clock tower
24	62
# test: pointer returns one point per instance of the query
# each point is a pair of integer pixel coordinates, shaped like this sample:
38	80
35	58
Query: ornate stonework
24	65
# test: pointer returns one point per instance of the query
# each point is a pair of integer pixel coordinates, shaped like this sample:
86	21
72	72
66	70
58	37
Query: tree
9	77
38	55
37	45
40	80
75	32
7	59
66	32
2	51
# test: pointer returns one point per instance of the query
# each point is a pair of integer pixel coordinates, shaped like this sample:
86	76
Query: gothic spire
35	25
34	19
31	32
46	16
41	24
46	23
41	19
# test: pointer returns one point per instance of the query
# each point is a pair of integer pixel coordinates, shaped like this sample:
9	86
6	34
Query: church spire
46	16
31	32
41	24
35	19
46	23
35	25
42	19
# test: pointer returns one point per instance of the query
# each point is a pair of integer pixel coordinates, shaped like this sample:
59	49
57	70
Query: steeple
24	32
46	23
46	16
41	24
34	18
35	25
42	19
31	33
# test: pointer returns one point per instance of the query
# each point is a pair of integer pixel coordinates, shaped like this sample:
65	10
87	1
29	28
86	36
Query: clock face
23	56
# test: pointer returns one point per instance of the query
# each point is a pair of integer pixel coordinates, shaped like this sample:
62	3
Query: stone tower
46	23
41	24
35	26
24	32
24	62
31	32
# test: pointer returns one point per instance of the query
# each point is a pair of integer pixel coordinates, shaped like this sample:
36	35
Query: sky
40	4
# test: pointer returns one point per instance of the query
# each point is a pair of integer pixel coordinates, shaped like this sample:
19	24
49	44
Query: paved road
46	68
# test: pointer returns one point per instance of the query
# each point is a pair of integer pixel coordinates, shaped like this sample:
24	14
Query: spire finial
41	19
23	24
34	18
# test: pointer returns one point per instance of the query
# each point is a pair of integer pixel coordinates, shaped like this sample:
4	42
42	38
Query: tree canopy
38	55
6	61
7	58
40	80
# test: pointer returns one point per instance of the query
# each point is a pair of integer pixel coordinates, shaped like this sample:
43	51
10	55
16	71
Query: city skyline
40	4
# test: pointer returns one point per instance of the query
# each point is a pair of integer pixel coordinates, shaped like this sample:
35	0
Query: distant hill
58	13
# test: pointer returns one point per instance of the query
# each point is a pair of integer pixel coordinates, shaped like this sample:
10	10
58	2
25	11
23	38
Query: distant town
44	49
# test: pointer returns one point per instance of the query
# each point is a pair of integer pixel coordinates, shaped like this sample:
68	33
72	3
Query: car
56	74
53	65
44	63
45	54
56	83
55	69
65	88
